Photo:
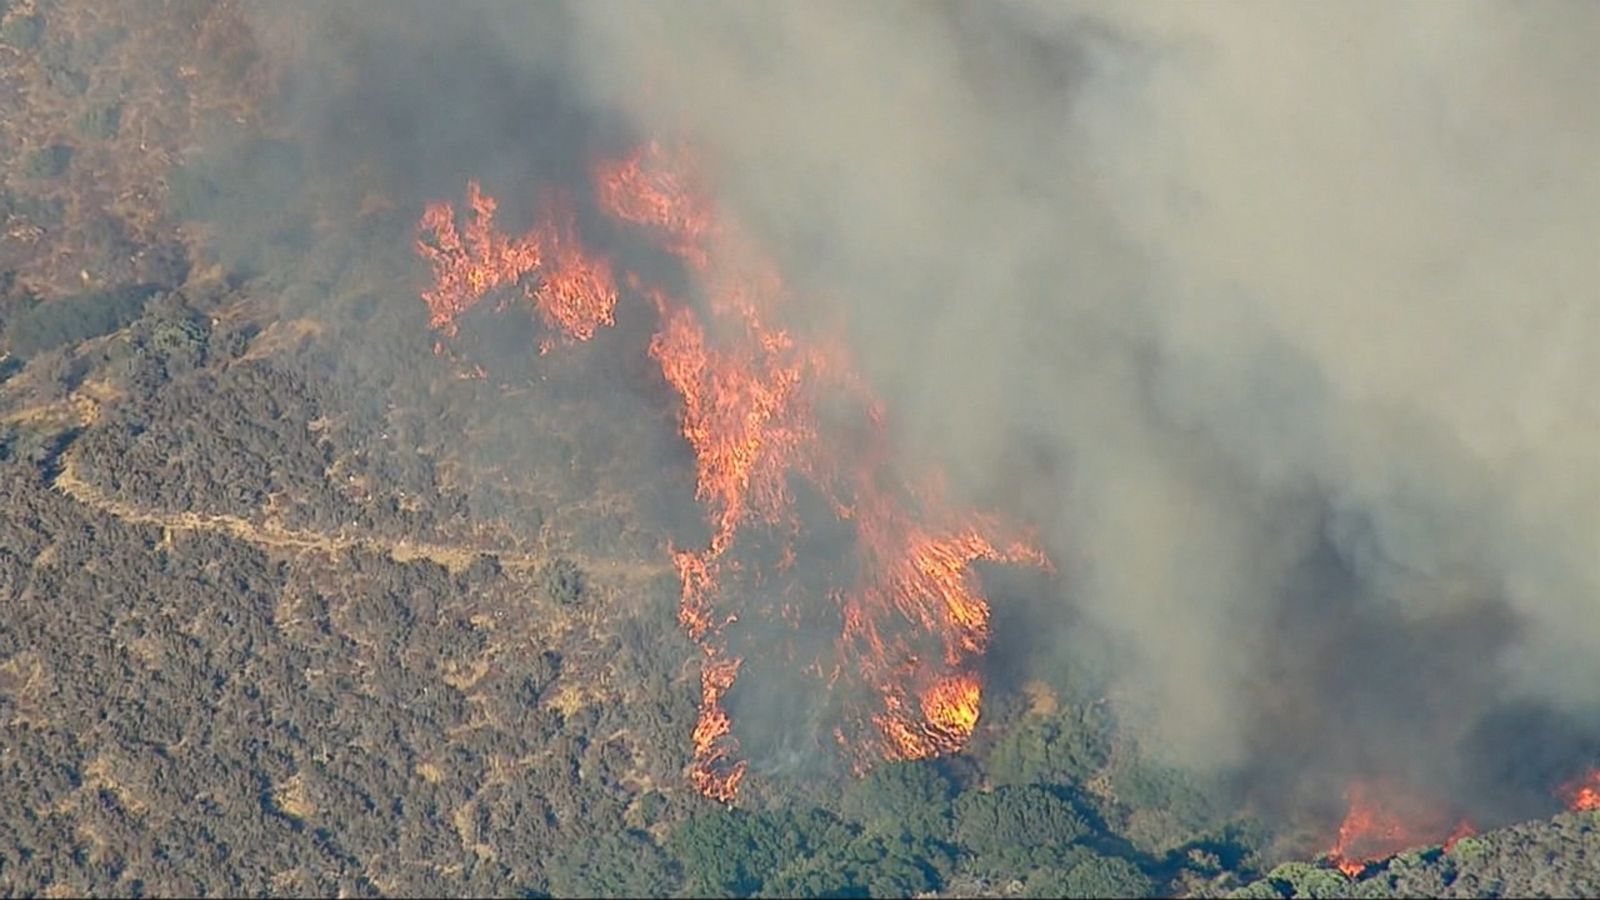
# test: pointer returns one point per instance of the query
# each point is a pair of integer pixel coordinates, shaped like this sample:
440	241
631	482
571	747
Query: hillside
460	497
1557	858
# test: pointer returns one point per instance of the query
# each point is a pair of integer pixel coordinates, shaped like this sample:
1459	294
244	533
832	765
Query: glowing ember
1375	828
913	619
1582	794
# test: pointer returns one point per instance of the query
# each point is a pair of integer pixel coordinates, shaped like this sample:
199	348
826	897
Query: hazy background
1276	319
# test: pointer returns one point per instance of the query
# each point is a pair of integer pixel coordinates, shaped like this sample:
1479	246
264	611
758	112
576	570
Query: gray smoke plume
1278	319
1299	299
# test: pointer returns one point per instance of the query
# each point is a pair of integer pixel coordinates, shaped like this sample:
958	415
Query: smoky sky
1277	320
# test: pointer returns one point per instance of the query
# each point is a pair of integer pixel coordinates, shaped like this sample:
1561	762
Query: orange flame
654	187
716	774
1582	794
576	294
467	269
1463	829
951	705
914	619
1374	828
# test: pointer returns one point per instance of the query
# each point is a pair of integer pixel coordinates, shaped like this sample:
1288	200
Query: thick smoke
1277	319
1297	299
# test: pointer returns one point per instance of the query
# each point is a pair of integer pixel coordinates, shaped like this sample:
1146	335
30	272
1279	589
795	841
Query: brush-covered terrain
292	604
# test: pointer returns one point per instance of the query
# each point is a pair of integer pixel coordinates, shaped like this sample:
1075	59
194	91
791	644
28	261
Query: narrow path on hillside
454	557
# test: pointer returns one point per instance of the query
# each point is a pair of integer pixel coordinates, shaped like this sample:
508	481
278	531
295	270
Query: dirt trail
454	557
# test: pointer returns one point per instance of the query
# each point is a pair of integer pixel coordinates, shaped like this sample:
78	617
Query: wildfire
654	188
951	706
466	269
716	774
913	616
1383	820
575	296
1582	794
578	294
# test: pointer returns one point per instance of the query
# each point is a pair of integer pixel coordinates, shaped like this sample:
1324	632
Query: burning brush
1384	819
1582	794
911	618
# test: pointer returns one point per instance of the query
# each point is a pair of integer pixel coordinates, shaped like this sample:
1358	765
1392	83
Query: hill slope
1557	858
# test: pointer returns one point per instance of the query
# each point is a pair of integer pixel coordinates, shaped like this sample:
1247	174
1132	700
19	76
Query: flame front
652	188
575	296
716	772
466	269
578	294
951	706
1375	828
913	618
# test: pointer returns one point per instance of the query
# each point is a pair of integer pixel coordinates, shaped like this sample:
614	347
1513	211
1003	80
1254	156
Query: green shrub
564	581
1067	748
1307	880
1016	819
102	122
731	853
866	865
1096	876
615	865
913	797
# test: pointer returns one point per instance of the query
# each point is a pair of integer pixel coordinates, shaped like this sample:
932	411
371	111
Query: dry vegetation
288	605
100	100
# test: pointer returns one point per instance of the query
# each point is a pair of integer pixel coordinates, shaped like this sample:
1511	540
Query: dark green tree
913	797
1066	748
622	864
1095	876
732	853
1016	819
67	320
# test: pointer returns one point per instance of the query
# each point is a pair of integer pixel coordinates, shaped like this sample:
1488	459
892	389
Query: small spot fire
1384	819
1582	794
